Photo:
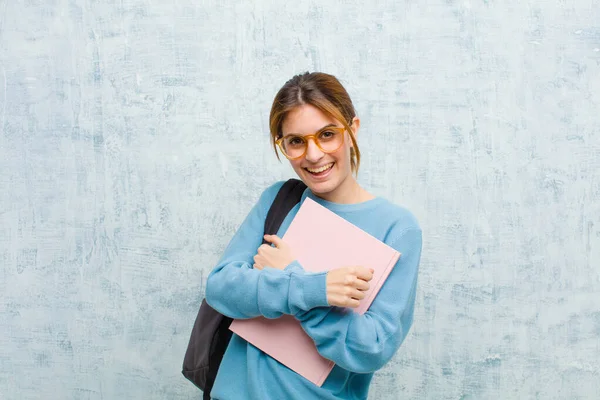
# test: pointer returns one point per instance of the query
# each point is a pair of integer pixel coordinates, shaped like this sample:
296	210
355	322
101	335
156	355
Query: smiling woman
314	125
324	160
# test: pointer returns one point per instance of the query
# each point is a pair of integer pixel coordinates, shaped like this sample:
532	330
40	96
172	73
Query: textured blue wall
134	139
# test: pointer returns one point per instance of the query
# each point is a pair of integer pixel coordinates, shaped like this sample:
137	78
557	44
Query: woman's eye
327	134
295	141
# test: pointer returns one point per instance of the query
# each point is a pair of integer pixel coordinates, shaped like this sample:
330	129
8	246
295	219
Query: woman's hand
347	286
278	257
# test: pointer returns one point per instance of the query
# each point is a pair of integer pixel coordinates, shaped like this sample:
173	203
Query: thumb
274	239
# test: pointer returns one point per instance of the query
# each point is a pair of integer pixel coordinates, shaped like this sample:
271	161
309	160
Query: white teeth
323	168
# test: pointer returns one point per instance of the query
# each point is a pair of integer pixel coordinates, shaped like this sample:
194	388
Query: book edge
391	264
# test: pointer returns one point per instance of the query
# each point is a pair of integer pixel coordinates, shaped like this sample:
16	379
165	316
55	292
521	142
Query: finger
264	248
274	239
342	301
366	274
358	295
352	293
258	259
352	303
256	266
359	284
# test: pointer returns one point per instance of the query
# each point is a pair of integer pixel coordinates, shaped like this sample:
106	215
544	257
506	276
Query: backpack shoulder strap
288	196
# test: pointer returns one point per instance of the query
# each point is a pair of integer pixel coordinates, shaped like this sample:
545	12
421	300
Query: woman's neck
348	192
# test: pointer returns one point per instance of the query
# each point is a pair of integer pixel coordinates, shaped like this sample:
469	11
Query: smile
320	169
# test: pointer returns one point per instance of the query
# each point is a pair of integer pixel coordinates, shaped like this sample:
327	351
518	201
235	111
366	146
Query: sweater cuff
294	266
307	291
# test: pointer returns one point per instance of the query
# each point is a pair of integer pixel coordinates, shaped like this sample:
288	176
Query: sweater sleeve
235	289
365	343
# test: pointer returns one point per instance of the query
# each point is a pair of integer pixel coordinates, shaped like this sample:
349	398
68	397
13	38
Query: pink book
321	240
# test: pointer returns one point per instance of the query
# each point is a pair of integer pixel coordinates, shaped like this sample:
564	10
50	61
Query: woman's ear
355	126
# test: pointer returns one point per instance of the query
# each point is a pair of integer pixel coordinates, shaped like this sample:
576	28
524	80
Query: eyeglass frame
340	129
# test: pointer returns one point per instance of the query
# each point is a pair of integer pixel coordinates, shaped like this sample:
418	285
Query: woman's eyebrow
297	134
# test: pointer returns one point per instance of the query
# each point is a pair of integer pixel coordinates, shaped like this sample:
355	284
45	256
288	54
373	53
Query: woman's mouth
321	171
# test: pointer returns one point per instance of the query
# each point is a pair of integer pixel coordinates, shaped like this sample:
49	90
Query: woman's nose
313	152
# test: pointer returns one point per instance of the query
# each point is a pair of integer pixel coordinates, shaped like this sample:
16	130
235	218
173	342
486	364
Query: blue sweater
358	344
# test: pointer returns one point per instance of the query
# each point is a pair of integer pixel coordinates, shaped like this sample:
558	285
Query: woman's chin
319	186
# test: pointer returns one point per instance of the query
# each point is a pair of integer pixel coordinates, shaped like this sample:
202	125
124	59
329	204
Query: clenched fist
347	286
278	257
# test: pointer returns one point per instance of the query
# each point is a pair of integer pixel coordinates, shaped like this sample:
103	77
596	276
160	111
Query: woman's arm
237	290
365	343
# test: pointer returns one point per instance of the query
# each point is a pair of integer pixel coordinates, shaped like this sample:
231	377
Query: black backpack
210	334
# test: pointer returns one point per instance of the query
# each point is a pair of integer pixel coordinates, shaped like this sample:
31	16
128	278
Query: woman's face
324	173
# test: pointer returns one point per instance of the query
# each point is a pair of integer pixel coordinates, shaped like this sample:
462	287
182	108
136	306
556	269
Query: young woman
314	125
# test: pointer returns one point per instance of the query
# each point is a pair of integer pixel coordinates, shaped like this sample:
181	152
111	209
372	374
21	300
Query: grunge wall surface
134	139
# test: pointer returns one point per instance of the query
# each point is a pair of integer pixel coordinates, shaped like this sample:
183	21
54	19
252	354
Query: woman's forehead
305	119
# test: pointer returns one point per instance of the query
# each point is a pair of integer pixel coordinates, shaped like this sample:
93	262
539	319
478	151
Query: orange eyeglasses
328	139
